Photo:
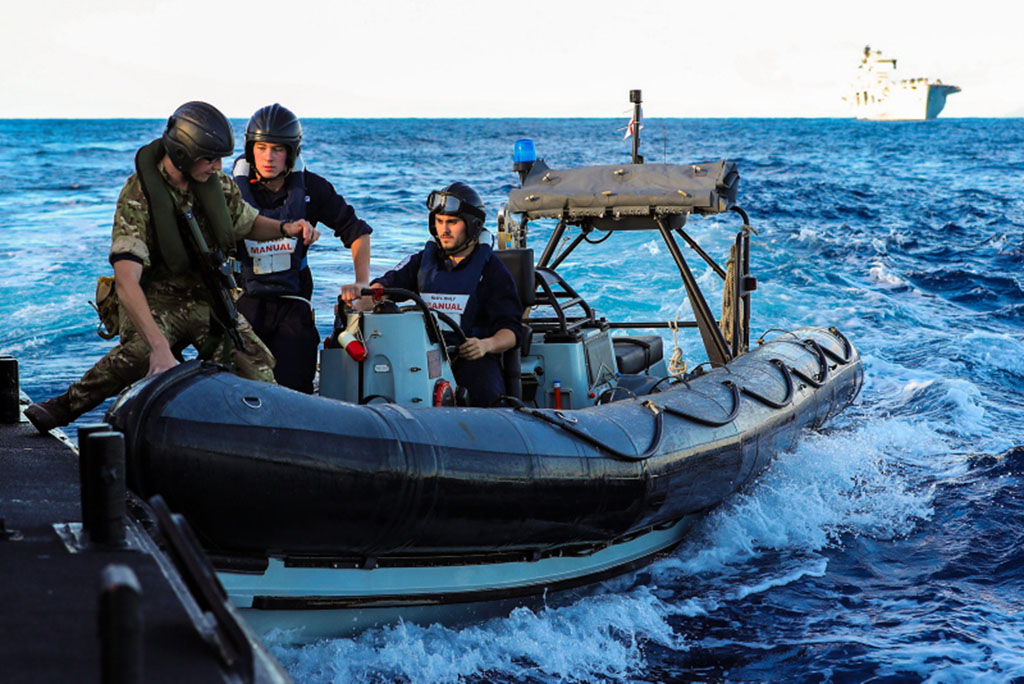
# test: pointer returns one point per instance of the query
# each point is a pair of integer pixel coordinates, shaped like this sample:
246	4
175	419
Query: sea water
886	547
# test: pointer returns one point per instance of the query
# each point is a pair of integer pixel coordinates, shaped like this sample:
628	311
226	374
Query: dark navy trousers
287	327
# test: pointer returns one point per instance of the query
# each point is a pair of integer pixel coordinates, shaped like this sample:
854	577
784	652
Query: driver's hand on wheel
473	348
350	294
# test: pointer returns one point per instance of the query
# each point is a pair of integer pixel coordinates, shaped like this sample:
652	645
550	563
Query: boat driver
276	278
164	303
455	272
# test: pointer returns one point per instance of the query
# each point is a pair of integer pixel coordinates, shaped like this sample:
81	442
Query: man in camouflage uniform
164	304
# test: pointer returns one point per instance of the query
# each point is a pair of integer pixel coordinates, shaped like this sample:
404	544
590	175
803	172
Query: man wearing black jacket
455	271
276	278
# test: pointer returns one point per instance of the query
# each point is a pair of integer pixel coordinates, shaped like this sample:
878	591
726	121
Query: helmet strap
179	178
279	178
250	157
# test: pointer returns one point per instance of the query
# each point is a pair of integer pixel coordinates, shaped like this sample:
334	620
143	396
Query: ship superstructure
878	95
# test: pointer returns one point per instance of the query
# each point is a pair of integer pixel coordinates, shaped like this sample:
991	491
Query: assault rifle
219	279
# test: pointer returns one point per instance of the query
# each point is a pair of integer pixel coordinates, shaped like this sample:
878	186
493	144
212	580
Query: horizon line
506	118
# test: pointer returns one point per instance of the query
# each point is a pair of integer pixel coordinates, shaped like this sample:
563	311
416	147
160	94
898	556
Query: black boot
50	414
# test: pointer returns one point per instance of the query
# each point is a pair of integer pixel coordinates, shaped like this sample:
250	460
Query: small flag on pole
634	124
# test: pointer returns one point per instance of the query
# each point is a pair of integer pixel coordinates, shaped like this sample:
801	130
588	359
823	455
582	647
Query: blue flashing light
524	152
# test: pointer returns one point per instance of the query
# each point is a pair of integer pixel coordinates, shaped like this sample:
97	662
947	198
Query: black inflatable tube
258	469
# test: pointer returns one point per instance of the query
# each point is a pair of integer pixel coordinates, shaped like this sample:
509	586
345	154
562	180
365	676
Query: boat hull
877	94
310	503
920	102
319	600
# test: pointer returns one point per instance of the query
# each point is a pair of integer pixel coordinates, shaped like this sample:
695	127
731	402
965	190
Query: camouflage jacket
132	235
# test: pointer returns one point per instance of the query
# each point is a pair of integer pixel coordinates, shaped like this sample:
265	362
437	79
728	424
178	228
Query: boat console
571	356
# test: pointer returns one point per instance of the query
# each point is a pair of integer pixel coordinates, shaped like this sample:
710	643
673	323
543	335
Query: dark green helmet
197	130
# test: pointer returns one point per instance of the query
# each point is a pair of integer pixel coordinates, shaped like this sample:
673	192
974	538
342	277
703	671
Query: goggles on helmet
441	202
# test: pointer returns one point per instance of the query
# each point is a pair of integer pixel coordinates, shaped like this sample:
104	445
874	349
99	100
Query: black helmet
197	130
458	199
274	124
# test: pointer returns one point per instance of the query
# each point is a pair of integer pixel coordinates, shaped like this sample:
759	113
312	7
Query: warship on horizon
876	95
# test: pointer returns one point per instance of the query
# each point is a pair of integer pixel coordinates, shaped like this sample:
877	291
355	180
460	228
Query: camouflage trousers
184	322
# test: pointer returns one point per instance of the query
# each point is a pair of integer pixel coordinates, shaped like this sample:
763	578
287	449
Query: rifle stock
219	279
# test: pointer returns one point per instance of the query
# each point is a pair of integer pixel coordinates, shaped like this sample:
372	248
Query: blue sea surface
886	547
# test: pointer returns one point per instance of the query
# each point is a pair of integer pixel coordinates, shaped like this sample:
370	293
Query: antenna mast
634	97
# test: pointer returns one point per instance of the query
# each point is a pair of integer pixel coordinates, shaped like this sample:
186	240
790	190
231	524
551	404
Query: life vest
463	280
163	215
271	267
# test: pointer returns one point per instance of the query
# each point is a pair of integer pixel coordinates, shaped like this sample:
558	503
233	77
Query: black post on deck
103	501
634	97
86	475
10	392
120	626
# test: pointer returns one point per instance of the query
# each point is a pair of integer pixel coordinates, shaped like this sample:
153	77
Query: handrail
710	422
659	422
790	388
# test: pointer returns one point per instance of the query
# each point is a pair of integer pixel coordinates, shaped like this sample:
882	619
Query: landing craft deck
50	583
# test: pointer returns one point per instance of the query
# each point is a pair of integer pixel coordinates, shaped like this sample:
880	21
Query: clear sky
454	58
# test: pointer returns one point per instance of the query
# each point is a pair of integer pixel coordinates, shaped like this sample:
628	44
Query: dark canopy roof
624	190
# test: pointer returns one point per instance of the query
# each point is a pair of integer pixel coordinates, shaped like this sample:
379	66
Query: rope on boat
609	394
813	345
787	377
676	363
822	365
822	354
760	340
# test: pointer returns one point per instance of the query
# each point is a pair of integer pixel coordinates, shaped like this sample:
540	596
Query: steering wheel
460	335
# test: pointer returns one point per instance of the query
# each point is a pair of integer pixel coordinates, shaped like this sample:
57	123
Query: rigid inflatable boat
382	498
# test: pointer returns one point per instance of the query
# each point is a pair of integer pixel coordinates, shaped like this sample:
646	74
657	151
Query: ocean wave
600	638
880	274
829	486
966	287
996	351
934	395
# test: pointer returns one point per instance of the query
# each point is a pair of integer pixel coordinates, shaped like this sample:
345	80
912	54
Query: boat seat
512	372
519	262
637	385
637	353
